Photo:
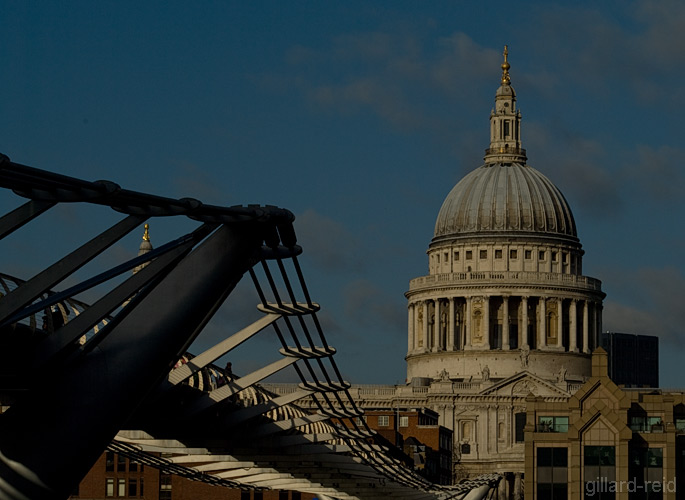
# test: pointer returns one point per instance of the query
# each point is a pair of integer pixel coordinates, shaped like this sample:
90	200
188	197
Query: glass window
498	254
404	421
554	256
469	255
646	469
483	254
513	254
541	255
121	487
383	420
109	487
654	424
680	424
456	255
132	487
599	470
552	473
552	424
641	423
528	254
109	461
282	495
132	466
520	419
164	481
121	463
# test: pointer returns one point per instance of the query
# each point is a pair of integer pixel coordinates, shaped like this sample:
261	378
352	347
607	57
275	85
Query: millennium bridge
115	374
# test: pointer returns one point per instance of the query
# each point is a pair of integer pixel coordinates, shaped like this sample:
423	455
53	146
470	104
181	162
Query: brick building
115	476
418	434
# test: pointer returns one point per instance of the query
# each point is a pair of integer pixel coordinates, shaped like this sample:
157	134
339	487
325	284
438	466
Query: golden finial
505	68
146	234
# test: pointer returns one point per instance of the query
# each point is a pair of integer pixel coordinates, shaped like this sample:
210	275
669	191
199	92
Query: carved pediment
523	384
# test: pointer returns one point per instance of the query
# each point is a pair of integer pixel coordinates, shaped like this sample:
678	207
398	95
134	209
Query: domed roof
503	198
505	195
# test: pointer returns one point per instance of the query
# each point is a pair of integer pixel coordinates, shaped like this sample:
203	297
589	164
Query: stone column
426	343
486	322
502	489
505	323
437	327
586	325
450	328
560	323
542	323
572	326
518	490
467	344
523	331
410	327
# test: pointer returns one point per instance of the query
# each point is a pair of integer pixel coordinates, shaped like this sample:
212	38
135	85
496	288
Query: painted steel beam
103	389
13	220
200	361
284	425
48	278
246	414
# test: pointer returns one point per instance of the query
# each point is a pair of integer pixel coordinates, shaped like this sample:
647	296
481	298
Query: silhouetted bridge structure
79	378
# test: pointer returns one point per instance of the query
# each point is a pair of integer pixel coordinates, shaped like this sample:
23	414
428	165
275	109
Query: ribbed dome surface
505	198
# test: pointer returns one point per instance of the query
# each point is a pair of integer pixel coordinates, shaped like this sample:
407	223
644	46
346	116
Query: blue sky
359	117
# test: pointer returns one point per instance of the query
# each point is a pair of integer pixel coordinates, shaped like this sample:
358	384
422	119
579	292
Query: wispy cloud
328	244
651	304
658	172
193	182
367	305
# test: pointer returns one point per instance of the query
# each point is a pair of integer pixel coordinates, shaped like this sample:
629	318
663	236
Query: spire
505	123
145	247
506	80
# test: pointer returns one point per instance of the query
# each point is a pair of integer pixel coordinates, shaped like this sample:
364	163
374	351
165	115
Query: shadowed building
633	359
606	442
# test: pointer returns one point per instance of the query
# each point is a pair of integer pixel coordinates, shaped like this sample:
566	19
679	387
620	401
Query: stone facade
606	442
504	311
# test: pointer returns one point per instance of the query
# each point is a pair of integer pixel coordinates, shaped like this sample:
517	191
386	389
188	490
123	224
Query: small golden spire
146	234
506	80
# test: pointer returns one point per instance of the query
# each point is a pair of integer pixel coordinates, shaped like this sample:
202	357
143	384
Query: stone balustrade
500	278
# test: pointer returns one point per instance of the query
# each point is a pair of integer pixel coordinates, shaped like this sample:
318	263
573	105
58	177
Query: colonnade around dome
504	322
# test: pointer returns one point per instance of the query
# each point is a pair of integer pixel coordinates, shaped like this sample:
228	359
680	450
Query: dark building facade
633	359
417	433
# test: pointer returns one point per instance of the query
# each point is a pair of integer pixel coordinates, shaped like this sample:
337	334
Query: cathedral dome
502	198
